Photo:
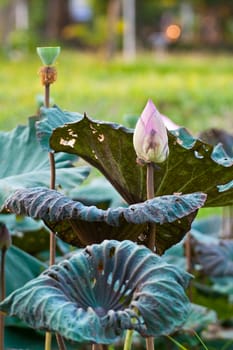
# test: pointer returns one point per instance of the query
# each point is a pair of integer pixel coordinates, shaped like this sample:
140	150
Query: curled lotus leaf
25	164
192	165
215	259
76	223
103	290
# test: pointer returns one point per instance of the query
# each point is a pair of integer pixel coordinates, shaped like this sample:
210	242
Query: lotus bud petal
48	55
5	237
170	125
150	136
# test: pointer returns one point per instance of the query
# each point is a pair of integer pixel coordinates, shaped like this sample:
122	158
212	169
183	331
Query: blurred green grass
194	90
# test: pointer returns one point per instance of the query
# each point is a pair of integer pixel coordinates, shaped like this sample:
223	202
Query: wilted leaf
192	165
25	164
103	290
76	223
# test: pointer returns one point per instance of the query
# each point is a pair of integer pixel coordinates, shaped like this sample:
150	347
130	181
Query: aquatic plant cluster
112	272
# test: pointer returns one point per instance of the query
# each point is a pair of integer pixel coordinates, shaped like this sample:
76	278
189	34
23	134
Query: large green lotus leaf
224	285
45	126
215	136
215	259
25	164
103	290
27	234
19	269
192	165
79	225
199	318
98	192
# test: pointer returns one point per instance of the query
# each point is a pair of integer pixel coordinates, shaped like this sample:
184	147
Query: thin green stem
48	340
3	295
128	339
180	346
200	340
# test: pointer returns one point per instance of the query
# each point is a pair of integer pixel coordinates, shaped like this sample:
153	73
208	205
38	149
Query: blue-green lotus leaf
27	234
199	318
103	290
76	223
98	192
45	125
214	136
215	259
20	268
25	164
192	165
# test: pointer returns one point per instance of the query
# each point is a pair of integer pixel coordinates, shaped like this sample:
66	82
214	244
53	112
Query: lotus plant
116	280
150	142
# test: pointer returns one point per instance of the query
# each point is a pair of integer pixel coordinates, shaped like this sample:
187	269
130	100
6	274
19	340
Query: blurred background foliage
95	24
181	59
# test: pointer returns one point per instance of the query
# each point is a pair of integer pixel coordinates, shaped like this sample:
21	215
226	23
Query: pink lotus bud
150	136
5	237
170	125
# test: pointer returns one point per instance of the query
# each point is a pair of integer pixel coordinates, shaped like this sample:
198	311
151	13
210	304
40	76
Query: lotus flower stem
149	343
188	254
99	347
52	244
151	230
150	195
3	294
48	75
60	342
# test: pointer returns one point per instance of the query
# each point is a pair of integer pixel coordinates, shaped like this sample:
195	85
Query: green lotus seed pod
48	55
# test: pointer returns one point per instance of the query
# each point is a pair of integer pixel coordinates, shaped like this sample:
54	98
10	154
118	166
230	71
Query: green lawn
193	90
